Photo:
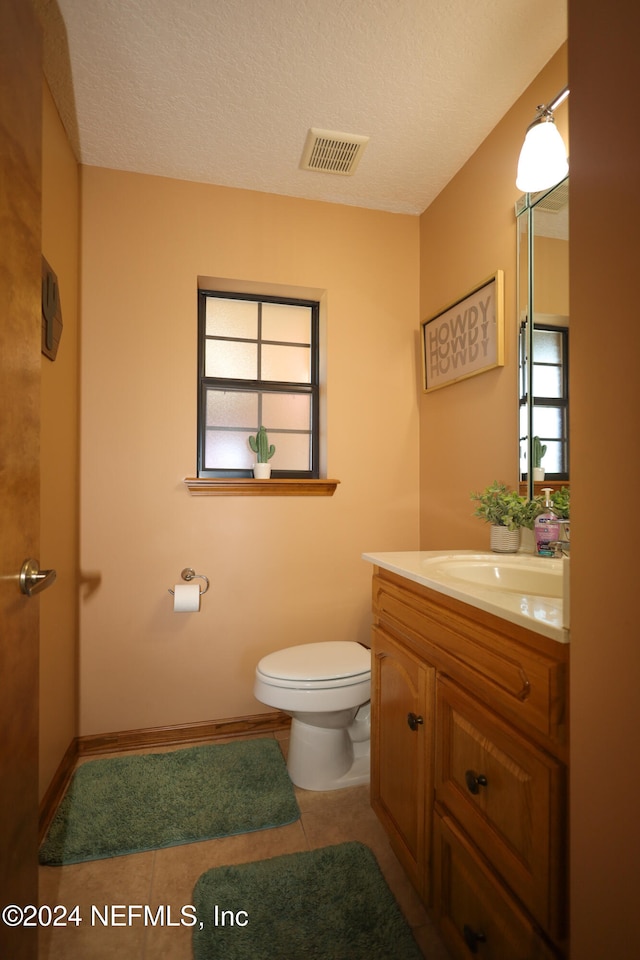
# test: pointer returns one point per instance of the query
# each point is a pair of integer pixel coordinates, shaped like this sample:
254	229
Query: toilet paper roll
186	598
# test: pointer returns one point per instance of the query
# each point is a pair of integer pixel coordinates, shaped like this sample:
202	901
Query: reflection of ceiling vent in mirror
551	213
556	199
329	152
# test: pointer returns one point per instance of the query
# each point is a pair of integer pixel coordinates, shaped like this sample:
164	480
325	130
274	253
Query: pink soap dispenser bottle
546	527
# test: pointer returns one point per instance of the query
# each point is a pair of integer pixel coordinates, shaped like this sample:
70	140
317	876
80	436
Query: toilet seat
316	666
323	687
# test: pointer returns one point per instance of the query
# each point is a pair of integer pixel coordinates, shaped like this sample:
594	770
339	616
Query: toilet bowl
325	688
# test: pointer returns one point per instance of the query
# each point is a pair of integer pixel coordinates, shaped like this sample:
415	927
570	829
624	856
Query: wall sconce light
543	158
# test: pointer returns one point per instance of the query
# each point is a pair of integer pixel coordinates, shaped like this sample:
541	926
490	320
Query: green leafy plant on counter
503	507
561	500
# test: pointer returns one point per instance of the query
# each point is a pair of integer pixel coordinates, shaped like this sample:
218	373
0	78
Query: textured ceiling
224	91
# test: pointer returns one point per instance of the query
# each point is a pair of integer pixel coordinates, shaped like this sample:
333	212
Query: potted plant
538	450
264	451
561	500
507	512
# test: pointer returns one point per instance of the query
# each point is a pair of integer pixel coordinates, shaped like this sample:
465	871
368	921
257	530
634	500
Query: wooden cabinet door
402	712
507	795
475	913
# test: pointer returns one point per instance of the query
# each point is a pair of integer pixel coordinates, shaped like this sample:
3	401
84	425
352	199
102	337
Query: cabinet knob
474	781
472	939
414	721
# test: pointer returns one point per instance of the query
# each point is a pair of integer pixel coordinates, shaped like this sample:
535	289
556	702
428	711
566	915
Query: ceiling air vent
329	152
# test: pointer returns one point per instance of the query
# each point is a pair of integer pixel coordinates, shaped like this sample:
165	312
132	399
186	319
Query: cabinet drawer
524	675
473	910
507	795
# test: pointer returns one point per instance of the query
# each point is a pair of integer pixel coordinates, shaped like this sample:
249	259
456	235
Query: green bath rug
327	904
135	803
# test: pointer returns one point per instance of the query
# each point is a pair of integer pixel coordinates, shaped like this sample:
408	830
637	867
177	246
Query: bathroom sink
526	589
523	575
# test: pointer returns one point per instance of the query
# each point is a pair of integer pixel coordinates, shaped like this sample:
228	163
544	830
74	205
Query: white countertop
543	615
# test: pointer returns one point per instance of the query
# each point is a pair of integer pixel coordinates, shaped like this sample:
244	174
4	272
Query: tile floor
167	877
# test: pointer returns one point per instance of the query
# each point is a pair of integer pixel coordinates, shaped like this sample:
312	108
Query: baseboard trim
148	738
57	788
182	733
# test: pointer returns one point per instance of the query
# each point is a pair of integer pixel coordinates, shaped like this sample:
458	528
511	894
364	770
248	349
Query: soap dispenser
546	527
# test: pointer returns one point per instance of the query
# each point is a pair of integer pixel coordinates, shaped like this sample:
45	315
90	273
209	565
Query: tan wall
282	570
552	276
59	454
469	430
604	73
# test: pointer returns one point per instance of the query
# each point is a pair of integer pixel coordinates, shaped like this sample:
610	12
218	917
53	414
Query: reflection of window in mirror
543	294
550	397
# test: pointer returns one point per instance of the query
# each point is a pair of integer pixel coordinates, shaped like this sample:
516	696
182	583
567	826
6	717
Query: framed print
466	338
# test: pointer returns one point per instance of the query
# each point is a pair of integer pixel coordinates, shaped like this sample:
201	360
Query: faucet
561	547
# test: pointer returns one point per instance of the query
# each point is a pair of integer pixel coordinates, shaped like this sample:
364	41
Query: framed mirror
543	315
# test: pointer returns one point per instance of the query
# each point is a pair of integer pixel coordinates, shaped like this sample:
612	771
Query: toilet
326	689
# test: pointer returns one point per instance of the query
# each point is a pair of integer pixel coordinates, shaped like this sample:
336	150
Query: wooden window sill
248	487
539	485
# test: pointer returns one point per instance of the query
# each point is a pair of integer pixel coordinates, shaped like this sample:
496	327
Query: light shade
543	158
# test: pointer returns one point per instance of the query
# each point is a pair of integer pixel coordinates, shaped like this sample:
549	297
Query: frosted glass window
547	381
258	366
289	411
550	400
231	359
288	364
548	362
553	462
286	322
228	450
232	408
547	346
547	422
231	318
293	452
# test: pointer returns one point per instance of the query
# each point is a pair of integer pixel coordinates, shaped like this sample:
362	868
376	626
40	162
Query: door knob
33	579
414	721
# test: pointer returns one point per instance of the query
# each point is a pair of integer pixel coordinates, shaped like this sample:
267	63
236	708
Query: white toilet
326	688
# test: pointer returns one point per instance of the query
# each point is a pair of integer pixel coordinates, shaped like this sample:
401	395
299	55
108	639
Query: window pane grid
550	400
258	360
236	396
258	357
286	412
228	449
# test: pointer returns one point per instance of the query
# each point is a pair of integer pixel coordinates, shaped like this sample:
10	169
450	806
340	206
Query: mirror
543	315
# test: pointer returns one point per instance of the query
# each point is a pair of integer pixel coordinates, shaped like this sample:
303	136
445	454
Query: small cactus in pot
263	451
538	450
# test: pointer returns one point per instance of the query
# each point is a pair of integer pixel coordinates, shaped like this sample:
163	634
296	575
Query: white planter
261	471
538	474
503	540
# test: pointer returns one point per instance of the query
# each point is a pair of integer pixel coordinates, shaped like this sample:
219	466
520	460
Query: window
550	396
258	363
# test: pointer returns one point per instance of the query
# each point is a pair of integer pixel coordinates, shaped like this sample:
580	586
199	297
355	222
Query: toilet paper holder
189	574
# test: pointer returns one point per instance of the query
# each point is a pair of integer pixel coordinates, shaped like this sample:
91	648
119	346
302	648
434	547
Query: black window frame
311	389
561	402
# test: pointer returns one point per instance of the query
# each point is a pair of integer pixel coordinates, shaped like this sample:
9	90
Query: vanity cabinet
469	767
403	693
